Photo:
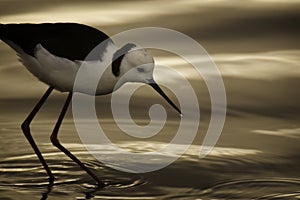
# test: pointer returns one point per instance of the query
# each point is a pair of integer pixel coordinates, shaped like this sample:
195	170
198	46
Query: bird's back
69	40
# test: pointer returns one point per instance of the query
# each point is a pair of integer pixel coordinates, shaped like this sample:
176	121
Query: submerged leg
26	130
56	142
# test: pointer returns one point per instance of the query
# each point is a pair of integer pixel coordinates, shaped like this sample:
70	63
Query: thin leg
26	130
56	142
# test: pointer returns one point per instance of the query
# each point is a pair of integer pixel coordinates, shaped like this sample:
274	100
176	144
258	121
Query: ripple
264	188
25	172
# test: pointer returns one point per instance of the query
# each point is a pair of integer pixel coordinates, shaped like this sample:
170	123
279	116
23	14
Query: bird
53	53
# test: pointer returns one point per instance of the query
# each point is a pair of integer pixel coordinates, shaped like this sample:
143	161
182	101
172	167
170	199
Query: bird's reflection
87	194
47	192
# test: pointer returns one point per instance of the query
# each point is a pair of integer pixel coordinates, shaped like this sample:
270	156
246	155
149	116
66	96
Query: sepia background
256	47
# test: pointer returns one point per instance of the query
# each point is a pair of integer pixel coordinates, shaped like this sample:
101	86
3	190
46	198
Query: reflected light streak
288	133
99	13
111	13
261	65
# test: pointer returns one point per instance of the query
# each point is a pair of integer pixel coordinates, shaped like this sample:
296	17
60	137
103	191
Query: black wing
68	40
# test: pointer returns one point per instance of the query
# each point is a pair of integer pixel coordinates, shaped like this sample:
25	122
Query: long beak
159	90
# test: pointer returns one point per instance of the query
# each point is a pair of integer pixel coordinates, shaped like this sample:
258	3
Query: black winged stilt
53	52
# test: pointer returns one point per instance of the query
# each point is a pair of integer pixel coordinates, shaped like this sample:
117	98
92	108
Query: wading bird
53	52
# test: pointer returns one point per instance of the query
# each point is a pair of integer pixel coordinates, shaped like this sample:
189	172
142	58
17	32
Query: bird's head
135	64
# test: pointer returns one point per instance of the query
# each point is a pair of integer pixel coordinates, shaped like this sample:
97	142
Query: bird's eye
140	69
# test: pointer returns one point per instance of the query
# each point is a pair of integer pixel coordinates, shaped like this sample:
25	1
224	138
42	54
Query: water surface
248	162
255	45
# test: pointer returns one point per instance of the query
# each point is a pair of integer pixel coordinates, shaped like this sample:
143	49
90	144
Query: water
255	45
244	164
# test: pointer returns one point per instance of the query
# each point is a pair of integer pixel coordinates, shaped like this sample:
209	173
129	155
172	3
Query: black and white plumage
54	52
